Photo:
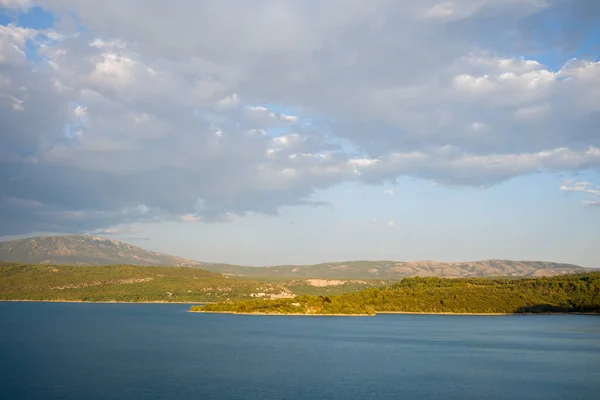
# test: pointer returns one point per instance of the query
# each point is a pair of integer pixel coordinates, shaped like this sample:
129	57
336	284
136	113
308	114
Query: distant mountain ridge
398	270
84	250
92	250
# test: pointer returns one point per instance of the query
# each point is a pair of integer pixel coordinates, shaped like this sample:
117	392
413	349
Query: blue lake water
156	351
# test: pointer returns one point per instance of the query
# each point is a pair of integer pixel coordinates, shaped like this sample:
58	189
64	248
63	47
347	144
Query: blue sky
407	132
35	17
554	30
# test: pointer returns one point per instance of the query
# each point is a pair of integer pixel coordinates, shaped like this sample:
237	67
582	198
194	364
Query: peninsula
573	293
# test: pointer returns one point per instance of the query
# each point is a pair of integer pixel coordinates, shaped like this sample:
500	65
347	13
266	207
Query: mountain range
84	250
92	250
398	269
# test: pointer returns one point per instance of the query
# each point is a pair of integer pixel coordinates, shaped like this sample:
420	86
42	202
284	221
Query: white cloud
229	101
256	132
267	115
17	35
289	118
576	187
441	10
287	140
115	230
453	166
388	192
473	84
12	44
189	218
141	117
107	44
391	222
258	109
586	188
363	162
478	127
80	112
115	70
389	93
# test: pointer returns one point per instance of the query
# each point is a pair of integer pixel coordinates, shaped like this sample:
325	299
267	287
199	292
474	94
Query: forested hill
84	250
131	283
398	270
567	293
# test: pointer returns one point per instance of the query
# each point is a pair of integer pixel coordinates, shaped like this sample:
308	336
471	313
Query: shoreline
284	315
390	313
448	313
486	314
108	302
291	314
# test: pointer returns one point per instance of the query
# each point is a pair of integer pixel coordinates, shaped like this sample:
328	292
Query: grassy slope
135	283
567	293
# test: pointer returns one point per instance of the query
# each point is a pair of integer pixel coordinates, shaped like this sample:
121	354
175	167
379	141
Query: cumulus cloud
388	192
138	116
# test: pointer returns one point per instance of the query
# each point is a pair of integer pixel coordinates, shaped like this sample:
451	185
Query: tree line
564	293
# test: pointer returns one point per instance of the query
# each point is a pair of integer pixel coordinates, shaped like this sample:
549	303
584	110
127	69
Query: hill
397	270
565	293
130	283
84	250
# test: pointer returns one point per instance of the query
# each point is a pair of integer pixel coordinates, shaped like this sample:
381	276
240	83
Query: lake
161	351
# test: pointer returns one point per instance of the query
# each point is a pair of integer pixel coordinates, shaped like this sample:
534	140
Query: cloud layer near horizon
219	108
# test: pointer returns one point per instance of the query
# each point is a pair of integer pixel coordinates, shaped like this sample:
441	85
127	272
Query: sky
292	132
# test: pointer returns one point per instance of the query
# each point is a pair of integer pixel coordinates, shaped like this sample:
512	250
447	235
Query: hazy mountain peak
83	250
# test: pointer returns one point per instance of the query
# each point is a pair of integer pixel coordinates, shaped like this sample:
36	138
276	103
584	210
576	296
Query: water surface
160	351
